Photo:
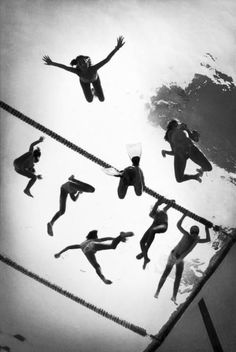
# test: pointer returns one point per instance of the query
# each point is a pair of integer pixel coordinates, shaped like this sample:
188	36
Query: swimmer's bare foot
108	282
146	261
57	255
200	172
139	256
173	299
49	228
26	191
123	235
156	295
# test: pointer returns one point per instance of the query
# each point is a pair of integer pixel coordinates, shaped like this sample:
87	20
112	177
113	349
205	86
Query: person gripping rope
159	225
187	243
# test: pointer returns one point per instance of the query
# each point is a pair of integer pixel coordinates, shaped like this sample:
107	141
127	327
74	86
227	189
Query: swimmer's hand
163	152
47	60
120	42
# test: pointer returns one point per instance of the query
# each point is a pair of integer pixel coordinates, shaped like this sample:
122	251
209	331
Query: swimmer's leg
138	183
178	275
98	89
31	176
92	259
163	278
62	209
87	91
122	188
180	165
199	158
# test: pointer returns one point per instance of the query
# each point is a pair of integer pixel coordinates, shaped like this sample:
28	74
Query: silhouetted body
88	73
181	141
177	255
24	165
93	244
73	188
159	225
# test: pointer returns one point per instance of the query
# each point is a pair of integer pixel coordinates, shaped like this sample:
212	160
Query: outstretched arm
179	225
120	43
49	62
32	145
208	237
76	246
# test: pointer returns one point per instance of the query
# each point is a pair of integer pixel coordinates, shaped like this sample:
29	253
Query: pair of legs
130	177
147	240
197	157
61	211
29	174
88	93
179	266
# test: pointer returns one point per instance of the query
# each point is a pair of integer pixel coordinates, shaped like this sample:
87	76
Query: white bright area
165	41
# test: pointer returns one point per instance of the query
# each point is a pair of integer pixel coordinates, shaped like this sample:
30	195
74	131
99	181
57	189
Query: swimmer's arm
76	246
154	209
208	237
49	62
74	196
103	239
142	178
169	205
166	152
120	43
179	225
32	145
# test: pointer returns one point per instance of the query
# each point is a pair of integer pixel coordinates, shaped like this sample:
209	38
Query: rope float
138	330
98	161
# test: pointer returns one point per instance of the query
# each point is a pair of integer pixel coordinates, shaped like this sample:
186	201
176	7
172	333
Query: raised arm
155	207
208	237
179	225
120	43
32	145
49	62
169	205
76	246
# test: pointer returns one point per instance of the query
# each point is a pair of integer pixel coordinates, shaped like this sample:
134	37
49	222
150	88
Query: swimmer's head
81	61
36	154
136	160
194	230
171	125
92	235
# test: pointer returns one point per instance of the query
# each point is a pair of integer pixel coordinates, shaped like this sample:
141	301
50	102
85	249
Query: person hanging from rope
131	175
93	244
182	148
87	72
24	165
187	243
159	225
74	188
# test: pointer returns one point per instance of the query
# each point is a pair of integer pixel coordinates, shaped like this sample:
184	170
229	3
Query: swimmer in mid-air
93	244
181	141
159	225
87	72
74	188
131	175
182	249
24	165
